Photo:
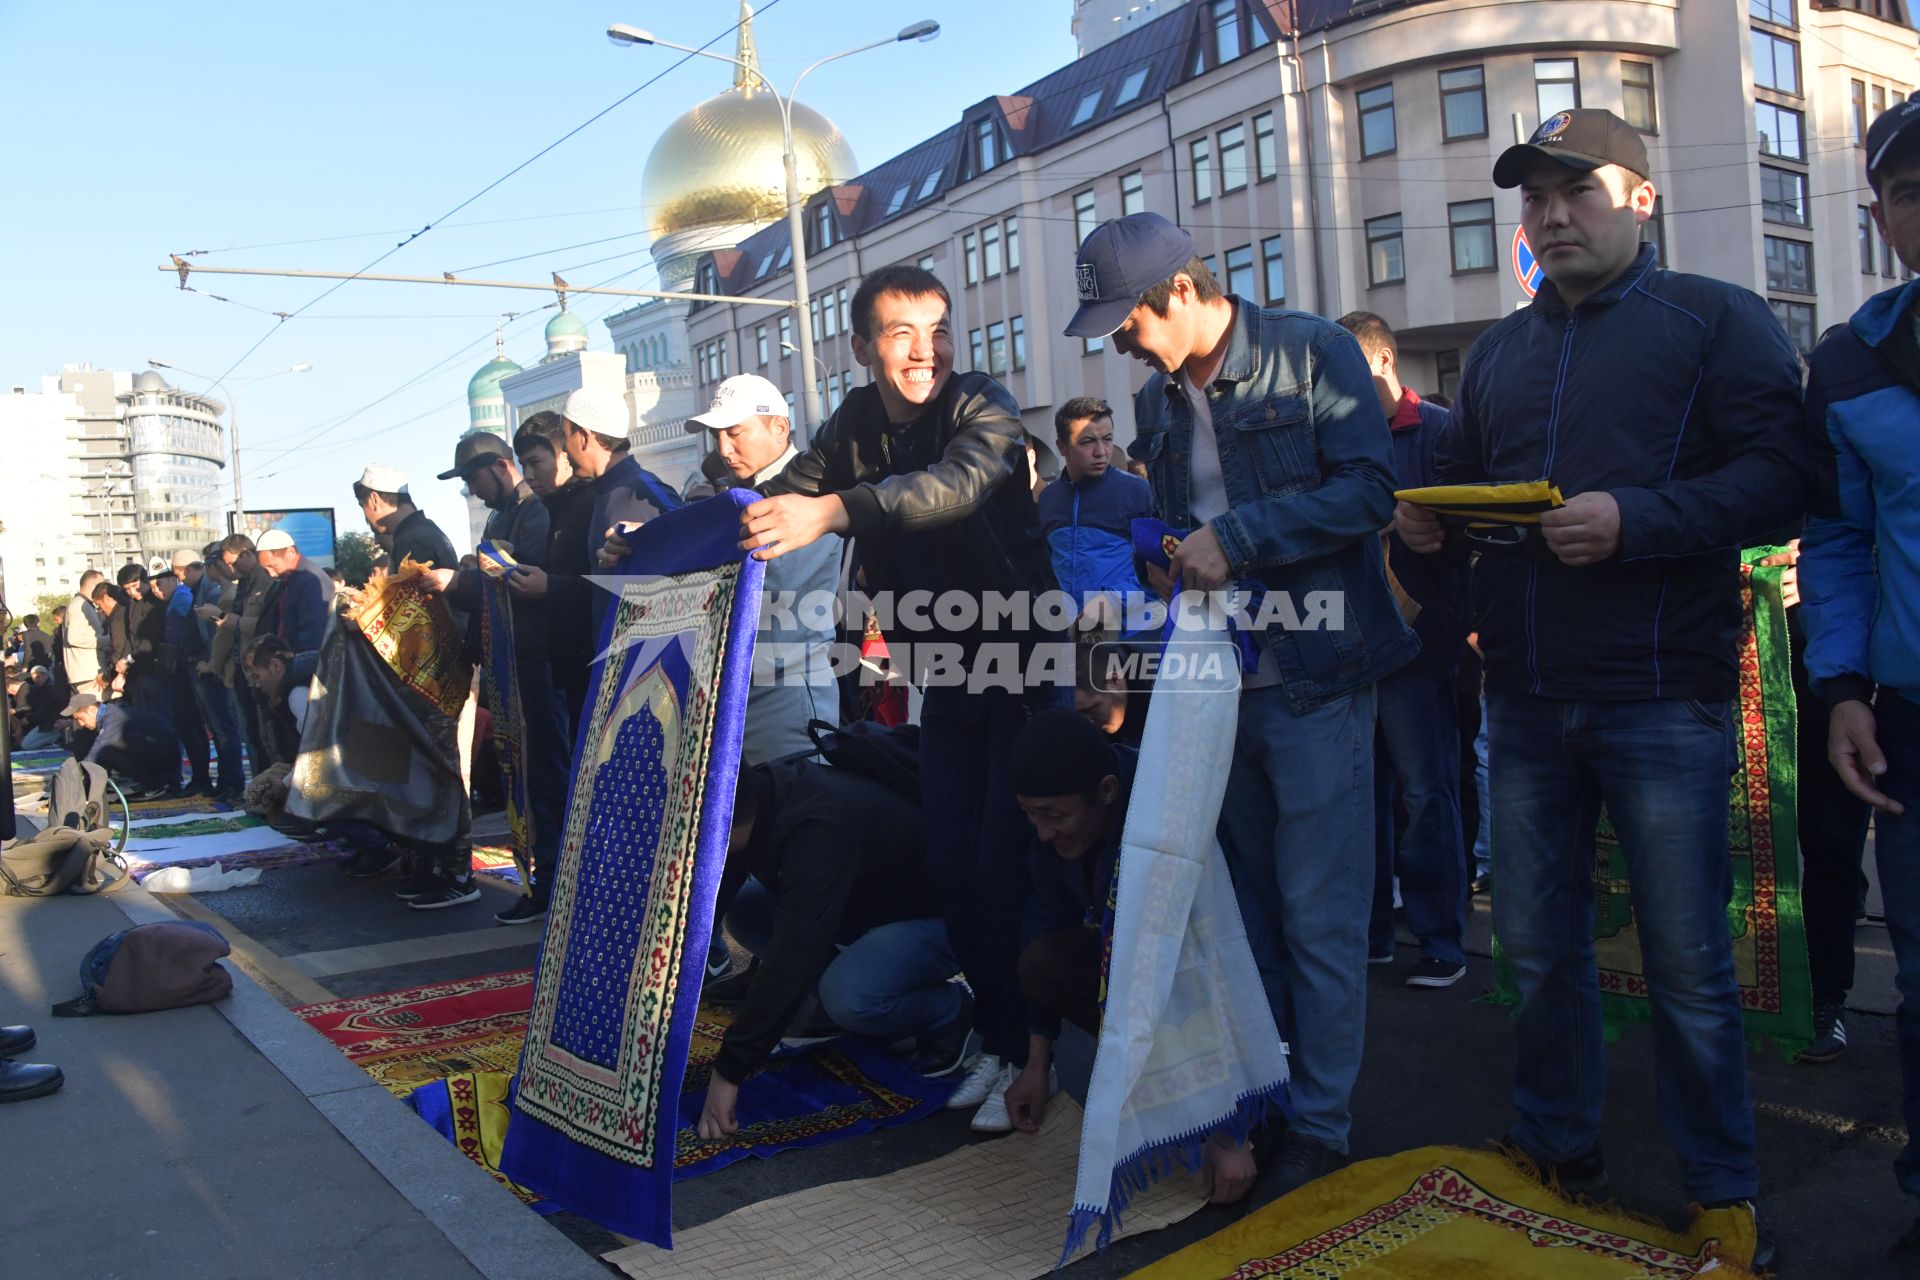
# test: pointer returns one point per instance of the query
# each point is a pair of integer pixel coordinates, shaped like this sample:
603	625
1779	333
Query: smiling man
928	469
1666	407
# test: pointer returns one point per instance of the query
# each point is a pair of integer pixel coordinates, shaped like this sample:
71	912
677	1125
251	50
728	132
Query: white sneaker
993	1116
978	1082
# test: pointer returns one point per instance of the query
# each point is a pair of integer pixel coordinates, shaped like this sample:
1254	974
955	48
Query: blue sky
319	136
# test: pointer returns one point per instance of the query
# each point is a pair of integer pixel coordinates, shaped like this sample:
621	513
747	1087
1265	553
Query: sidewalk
225	1140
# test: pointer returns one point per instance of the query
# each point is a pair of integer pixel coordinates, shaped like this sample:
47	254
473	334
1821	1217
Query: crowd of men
1477	690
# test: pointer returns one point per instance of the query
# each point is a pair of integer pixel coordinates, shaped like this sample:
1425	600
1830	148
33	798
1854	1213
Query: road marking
383	955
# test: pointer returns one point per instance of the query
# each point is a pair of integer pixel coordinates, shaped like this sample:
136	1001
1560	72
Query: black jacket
944	502
525	528
571	638
420	538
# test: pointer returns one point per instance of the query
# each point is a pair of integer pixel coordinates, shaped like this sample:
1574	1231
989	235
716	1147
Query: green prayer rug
1763	916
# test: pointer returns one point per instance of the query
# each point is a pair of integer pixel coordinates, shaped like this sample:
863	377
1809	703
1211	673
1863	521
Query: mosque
716	176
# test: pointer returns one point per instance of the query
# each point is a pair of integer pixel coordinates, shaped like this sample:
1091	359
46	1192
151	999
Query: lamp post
826	370
233	417
621	33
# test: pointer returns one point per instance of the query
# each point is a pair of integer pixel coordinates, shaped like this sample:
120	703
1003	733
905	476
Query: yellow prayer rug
1511	503
1441	1213
414	634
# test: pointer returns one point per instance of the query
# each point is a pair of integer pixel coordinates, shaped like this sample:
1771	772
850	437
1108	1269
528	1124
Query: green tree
45	605
353	555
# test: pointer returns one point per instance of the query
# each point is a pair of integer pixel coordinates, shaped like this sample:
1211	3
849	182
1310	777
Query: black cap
1887	129
1586	139
476	449
1120	261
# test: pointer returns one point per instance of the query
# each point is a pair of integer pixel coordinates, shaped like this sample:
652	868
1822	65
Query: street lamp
824	368
621	33
233	415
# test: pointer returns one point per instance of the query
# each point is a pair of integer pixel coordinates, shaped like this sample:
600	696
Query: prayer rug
175	808
497	860
1764	918
1440	1212
195	825
405	1039
987	1209
500	686
38	762
655	765
413	631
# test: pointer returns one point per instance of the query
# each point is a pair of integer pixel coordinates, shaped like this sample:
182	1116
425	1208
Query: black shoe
1580	1175
527	909
15	1041
1907	1248
1766	1253
22	1080
416	886
1829	1033
1483	882
941	1053
375	860
447	893
1435	973
1301	1160
1380	957
733	988
811	1026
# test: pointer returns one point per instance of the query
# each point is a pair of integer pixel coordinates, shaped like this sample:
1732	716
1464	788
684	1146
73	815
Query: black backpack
888	755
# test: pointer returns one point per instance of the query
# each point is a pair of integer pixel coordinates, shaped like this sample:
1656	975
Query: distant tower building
1101	22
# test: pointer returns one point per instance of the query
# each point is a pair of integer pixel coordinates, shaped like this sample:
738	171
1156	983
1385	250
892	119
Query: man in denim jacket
1261	432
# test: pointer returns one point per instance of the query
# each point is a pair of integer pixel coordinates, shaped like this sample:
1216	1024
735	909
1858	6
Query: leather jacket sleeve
984	448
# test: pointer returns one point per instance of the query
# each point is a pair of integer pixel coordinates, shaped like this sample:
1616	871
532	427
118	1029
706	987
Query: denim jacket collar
1242	360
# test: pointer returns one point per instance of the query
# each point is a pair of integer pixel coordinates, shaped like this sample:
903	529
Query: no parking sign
1526	267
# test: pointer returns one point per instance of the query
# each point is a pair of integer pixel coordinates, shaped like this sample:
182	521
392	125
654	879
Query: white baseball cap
743	396
277	539
382	479
600	412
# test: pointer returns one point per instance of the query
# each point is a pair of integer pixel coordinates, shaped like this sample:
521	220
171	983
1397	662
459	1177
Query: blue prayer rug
655	764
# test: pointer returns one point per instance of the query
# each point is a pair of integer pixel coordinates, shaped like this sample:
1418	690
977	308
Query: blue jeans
888	982
1662	769
215	701
547	756
1297	829
1417	756
1896	849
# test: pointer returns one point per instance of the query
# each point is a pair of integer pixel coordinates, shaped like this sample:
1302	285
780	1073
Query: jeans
1662	769
1297	826
1896	850
248	706
547	756
888	982
1417	756
215	702
40	740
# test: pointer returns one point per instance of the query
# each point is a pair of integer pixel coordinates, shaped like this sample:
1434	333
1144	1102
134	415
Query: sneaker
1432	972
943	1052
1483	882
1766	1252
1380	957
993	1116
731	989
1829	1033
529	908
977	1083
1580	1175
447	893
417	885
374	861
811	1026
719	961
1301	1160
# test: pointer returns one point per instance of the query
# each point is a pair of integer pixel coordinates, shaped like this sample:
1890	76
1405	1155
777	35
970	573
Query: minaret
744	80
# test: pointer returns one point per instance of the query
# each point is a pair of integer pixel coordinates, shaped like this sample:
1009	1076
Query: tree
353	555
45	605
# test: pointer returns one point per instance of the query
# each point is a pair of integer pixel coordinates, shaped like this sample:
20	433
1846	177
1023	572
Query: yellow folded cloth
1519	502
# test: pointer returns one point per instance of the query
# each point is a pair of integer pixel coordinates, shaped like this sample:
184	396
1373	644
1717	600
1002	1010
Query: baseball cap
275	539
1121	260
81	701
379	478
1586	138
743	396
476	449
183	559
1887	129
600	412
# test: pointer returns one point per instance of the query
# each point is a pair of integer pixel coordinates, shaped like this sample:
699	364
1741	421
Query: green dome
565	324
485	384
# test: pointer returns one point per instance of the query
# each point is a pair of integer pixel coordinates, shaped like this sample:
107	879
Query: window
926	262
723	358
1789	264
1470	223
1274	260
1013	244
1778	12
786	335
1202	152
1266	161
997	348
1376	121
1463	103
1093	346
1226	31
1863	231
1879	103
1084	218
1556	85
931	185
813	318
1797	319
1233	158
1133	193
1886	257
829	314
786	254
970	250
1776	62
1636	95
899	199
1385	262
760	344
823	225
1084	111
1857	119
1783	196
977	350
1018	326
990	251
1130	87
1780	131
845	326
766	265
1446	373
986	145
1240	272
1212	265
1654	232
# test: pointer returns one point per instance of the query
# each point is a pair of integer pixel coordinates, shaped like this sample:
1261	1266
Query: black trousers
1060	976
1833	836
189	727
148	761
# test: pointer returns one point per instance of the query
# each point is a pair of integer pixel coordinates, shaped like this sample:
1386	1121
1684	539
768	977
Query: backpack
76	851
167	965
887	754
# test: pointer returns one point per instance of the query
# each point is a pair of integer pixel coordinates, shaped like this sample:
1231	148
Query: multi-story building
1334	155
176	449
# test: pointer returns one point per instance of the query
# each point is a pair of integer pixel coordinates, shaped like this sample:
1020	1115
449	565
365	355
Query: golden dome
721	163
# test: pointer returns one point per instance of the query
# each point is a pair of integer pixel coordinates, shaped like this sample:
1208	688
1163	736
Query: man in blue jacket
1860	580
1666	407
305	597
1087	517
1417	741
1261	433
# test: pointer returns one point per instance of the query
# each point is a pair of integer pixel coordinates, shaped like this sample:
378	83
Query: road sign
1526	267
